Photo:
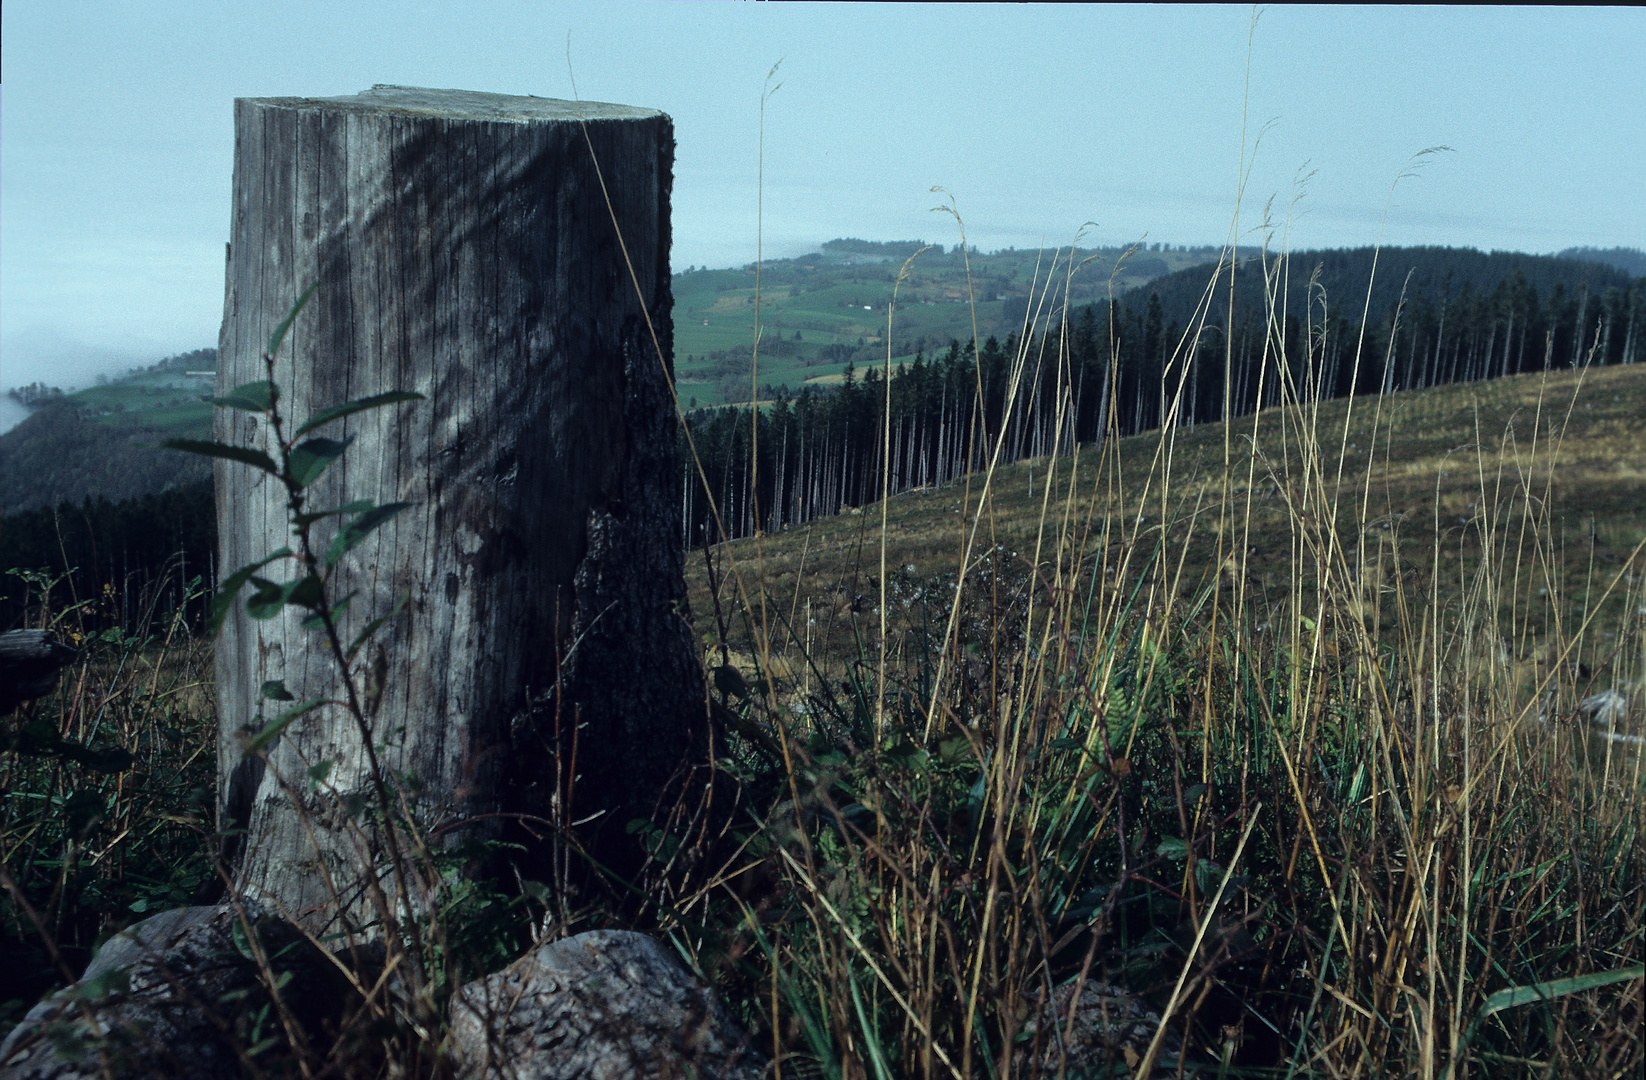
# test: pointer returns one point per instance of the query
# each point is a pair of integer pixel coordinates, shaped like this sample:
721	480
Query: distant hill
61	453
1427	316
102	442
821	311
1631	261
1421	273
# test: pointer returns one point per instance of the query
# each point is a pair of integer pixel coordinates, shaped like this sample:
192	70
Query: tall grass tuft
108	784
1307	768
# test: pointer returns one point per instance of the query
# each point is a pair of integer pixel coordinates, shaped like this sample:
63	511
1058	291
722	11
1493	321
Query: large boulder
604	1005
179	995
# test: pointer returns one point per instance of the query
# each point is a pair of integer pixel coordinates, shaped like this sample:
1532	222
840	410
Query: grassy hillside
820	311
1431	480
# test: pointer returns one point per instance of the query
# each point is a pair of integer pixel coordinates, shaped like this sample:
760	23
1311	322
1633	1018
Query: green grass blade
871	1038
1548	991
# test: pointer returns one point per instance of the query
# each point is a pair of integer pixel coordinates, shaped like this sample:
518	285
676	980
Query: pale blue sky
116	138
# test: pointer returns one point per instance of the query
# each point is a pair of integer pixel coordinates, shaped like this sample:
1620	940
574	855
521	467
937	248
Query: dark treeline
1433	316
125	565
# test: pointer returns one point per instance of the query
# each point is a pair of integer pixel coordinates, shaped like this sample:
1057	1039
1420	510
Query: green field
157	397
820	311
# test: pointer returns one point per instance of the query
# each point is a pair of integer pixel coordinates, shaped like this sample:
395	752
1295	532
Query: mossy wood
463	250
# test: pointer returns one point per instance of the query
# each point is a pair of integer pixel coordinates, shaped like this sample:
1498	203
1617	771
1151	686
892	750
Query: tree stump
29	662
463	249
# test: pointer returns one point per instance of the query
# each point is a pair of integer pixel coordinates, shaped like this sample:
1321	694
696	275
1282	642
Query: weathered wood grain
463	250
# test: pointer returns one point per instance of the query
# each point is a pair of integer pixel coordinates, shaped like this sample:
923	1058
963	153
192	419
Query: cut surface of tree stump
462	249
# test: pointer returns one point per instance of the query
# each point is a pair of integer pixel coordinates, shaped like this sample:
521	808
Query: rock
604	1005
178	996
1605	709
1112	1027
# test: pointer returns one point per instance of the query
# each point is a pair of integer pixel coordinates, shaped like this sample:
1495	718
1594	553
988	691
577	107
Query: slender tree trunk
1577	333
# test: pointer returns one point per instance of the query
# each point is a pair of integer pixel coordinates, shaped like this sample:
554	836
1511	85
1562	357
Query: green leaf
272	732
309	459
372	627
271	597
237	934
279	334
1548	991
729	681
355	507
315	622
231	587
256	397
352	534
307	592
111	982
319	772
207	448
1172	848
376	401
267	601
84	810
275	690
